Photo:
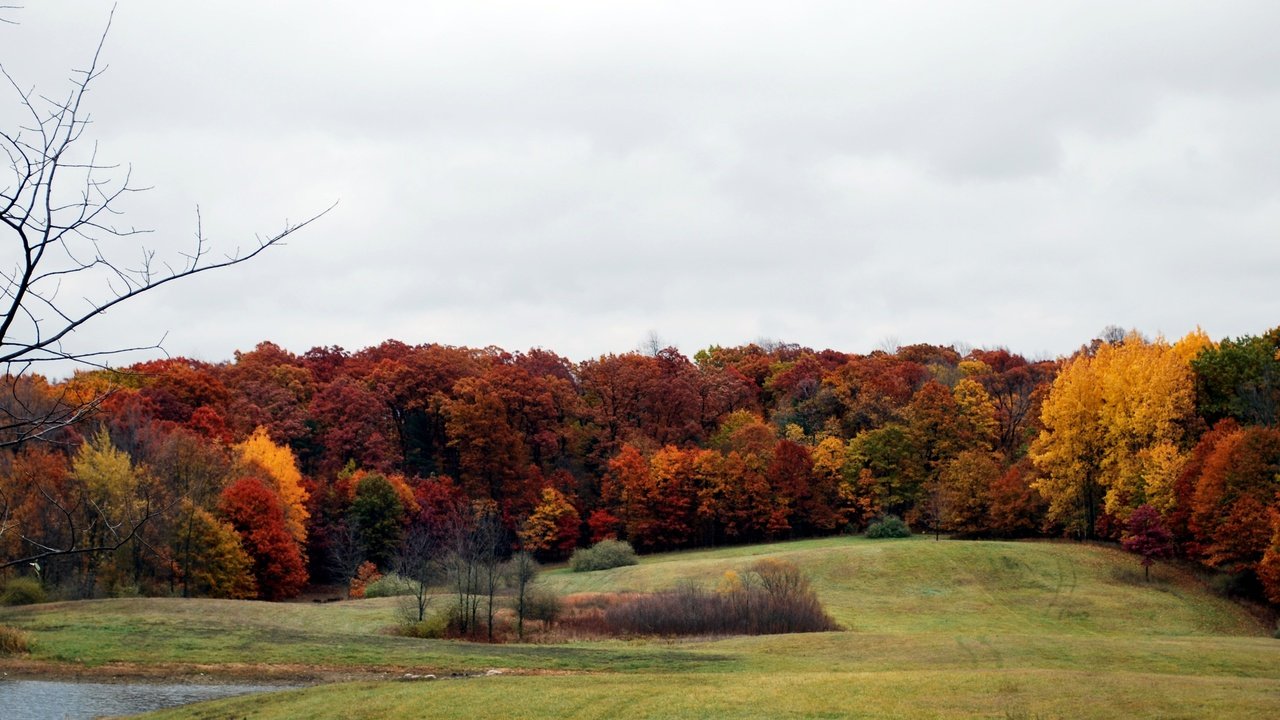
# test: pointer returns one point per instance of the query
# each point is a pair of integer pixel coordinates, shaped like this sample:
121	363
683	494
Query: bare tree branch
66	258
59	208
118	539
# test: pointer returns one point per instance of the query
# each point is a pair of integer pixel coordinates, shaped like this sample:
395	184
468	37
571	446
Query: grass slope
950	629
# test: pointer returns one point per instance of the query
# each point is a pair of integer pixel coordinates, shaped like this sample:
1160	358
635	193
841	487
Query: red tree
1237	486
1146	535
257	515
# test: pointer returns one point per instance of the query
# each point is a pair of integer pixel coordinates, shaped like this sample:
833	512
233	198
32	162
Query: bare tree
522	570
473	565
460	569
345	552
489	535
1112	335
67	258
70	257
5	513
652	344
419	562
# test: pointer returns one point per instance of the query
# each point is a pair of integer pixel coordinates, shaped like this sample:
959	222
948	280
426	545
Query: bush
390	585
779	578
888	526
1236	585
434	627
691	610
774	598
13	641
603	555
542	605
23	591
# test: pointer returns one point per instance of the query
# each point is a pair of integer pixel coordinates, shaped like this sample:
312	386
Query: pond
55	700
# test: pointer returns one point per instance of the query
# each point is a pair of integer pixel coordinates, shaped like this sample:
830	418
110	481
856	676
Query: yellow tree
965	484
1148	401
1069	450
214	562
111	503
1114	432
977	414
281	467
552	529
108	476
830	470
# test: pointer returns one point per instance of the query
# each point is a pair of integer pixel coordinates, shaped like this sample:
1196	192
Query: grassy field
933	629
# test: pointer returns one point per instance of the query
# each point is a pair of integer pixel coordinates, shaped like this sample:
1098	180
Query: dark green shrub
13	641
1236	585
888	526
603	555
23	591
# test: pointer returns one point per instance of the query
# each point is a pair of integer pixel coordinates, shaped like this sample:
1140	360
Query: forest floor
950	629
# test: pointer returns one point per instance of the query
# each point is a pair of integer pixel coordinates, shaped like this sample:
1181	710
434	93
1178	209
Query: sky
578	175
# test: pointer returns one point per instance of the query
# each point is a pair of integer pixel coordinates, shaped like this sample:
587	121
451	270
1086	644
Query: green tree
889	457
1240	379
379	514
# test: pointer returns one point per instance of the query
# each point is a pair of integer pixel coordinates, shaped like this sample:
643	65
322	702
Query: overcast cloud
574	175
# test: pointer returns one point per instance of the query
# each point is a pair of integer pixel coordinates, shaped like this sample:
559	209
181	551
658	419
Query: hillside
949	629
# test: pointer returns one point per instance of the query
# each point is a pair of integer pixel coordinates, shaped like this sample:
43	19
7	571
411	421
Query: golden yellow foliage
1114	424
977	411
1161	465
796	434
973	368
553	526
729	583
281	466
829	458
1190	346
87	387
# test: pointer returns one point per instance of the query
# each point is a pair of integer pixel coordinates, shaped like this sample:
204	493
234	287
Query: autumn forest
261	476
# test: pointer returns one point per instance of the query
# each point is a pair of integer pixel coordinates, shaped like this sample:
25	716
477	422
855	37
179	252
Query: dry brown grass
13	641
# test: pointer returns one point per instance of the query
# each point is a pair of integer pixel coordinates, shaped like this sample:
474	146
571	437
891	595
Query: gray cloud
573	175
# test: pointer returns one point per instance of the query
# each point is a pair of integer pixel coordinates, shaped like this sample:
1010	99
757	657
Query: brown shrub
14	641
776	598
582	615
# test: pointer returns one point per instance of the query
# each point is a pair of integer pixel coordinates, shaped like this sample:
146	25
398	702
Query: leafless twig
66	262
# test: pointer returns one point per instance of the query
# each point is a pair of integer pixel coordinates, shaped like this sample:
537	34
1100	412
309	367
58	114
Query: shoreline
286	676
199	674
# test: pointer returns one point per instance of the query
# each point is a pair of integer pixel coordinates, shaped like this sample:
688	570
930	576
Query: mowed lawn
933	629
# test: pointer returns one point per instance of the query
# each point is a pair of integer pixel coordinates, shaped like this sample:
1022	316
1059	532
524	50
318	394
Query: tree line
257	476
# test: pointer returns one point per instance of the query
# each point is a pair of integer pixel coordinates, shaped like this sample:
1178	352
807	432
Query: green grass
351	635
934	629
896	694
919	585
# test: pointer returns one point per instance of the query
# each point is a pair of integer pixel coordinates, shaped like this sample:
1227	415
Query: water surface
56	700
